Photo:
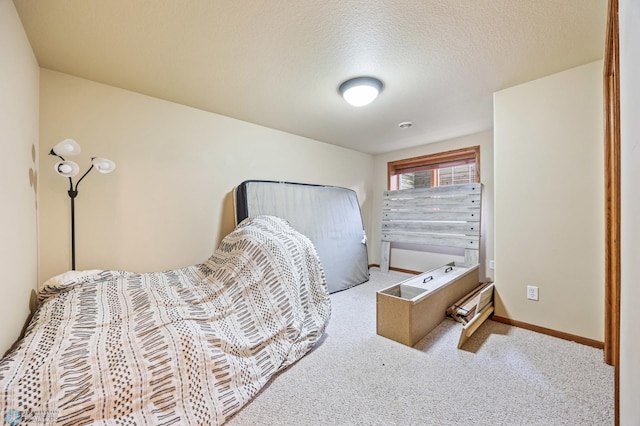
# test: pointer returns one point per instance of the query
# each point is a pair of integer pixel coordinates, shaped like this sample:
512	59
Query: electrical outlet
492	264
532	292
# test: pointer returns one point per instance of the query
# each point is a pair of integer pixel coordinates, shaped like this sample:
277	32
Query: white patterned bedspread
185	347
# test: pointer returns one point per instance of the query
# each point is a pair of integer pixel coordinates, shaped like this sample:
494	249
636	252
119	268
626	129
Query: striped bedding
187	347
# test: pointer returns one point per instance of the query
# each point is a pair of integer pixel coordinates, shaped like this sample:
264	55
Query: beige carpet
503	376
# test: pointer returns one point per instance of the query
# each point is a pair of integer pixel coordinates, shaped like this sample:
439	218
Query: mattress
328	215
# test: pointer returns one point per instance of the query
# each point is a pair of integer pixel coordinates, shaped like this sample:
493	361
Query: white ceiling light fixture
360	91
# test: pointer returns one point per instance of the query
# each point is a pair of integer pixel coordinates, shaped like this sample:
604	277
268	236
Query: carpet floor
504	375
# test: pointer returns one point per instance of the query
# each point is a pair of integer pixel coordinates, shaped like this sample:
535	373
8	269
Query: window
446	168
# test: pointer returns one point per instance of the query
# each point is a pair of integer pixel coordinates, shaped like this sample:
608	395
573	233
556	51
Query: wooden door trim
612	197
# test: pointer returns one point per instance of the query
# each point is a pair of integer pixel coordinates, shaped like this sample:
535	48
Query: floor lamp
69	169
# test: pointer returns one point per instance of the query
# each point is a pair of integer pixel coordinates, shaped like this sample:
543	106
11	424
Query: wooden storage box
408	311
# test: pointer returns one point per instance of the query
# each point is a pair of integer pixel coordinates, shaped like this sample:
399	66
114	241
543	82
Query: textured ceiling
278	63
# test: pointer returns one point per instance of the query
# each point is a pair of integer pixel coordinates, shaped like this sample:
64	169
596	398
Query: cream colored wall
549	201
630	226
417	258
168	203
19	129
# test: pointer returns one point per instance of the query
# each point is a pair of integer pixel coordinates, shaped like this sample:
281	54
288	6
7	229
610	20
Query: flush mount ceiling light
360	91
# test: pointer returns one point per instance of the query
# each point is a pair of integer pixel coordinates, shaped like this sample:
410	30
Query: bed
186	346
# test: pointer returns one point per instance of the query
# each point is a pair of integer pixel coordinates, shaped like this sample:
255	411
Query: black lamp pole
73	193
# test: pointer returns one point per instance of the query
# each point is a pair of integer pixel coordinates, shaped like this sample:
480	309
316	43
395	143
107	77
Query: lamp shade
67	168
360	91
103	165
66	147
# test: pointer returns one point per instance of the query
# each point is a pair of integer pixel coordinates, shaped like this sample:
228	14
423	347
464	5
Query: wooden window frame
449	158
